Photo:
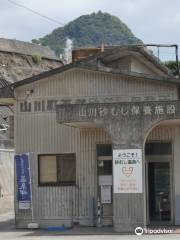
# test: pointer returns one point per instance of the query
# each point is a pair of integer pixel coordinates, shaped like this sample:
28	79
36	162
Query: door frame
160	158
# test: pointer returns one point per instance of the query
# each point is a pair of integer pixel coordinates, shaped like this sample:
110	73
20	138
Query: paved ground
8	232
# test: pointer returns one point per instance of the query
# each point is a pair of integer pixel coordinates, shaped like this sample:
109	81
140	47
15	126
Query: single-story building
99	140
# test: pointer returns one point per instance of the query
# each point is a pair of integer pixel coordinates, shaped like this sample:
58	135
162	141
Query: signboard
23	181
105	180
118	110
127	170
105	194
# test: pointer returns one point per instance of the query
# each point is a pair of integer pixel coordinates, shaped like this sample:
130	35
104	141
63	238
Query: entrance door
159	184
104	170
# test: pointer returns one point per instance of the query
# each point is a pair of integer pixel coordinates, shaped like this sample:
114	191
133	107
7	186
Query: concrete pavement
8	231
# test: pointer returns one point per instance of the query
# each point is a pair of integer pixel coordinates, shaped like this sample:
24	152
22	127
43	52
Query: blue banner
23	180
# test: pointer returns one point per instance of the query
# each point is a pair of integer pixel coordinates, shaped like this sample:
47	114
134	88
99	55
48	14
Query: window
57	169
51	105
39	106
104	165
158	148
11	126
104	150
25	106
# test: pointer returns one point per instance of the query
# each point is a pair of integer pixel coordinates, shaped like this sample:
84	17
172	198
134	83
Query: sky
153	21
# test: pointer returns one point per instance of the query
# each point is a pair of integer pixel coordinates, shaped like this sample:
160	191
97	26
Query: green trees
172	65
90	30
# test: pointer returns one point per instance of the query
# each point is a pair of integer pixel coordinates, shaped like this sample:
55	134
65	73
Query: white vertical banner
105	194
127	170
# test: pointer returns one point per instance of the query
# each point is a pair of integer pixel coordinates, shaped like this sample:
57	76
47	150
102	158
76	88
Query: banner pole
32	208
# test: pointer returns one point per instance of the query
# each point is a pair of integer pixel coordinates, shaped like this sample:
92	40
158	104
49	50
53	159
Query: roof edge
76	65
42	75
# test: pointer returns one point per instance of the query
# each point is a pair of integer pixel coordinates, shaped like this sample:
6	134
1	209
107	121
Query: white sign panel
105	194
24	205
127	170
105	180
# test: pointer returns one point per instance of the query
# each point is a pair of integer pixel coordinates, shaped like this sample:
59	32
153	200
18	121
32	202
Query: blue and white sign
23	181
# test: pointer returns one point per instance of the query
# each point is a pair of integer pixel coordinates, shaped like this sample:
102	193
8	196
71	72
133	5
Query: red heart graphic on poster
127	171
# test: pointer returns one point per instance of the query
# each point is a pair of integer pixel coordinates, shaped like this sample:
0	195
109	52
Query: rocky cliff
19	60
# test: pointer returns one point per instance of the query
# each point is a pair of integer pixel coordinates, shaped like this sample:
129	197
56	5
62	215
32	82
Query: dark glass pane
51	105
104	150
159	191
21	107
158	148
105	167
35	106
43	106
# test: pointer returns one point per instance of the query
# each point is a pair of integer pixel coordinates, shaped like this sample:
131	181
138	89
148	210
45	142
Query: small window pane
66	168
21	107
35	106
51	105
11	127
105	168
104	150
48	169
43	106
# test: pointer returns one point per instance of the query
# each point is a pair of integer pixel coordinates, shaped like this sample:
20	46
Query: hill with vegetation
90	30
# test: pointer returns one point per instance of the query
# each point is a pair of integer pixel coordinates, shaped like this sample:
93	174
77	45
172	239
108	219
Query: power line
35	12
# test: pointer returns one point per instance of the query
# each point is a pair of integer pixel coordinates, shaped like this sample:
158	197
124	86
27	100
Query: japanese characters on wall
127	170
127	110
96	109
120	110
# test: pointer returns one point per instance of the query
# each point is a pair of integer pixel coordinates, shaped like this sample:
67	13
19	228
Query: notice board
127	170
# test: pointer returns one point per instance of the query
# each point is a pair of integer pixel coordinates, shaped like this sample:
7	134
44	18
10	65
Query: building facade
102	136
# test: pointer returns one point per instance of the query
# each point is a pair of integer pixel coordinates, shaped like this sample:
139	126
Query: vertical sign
127	170
23	181
105	194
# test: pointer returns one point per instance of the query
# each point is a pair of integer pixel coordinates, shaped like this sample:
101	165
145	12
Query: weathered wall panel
78	83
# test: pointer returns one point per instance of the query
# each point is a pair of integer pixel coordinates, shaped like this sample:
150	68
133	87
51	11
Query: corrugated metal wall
39	133
80	83
73	203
